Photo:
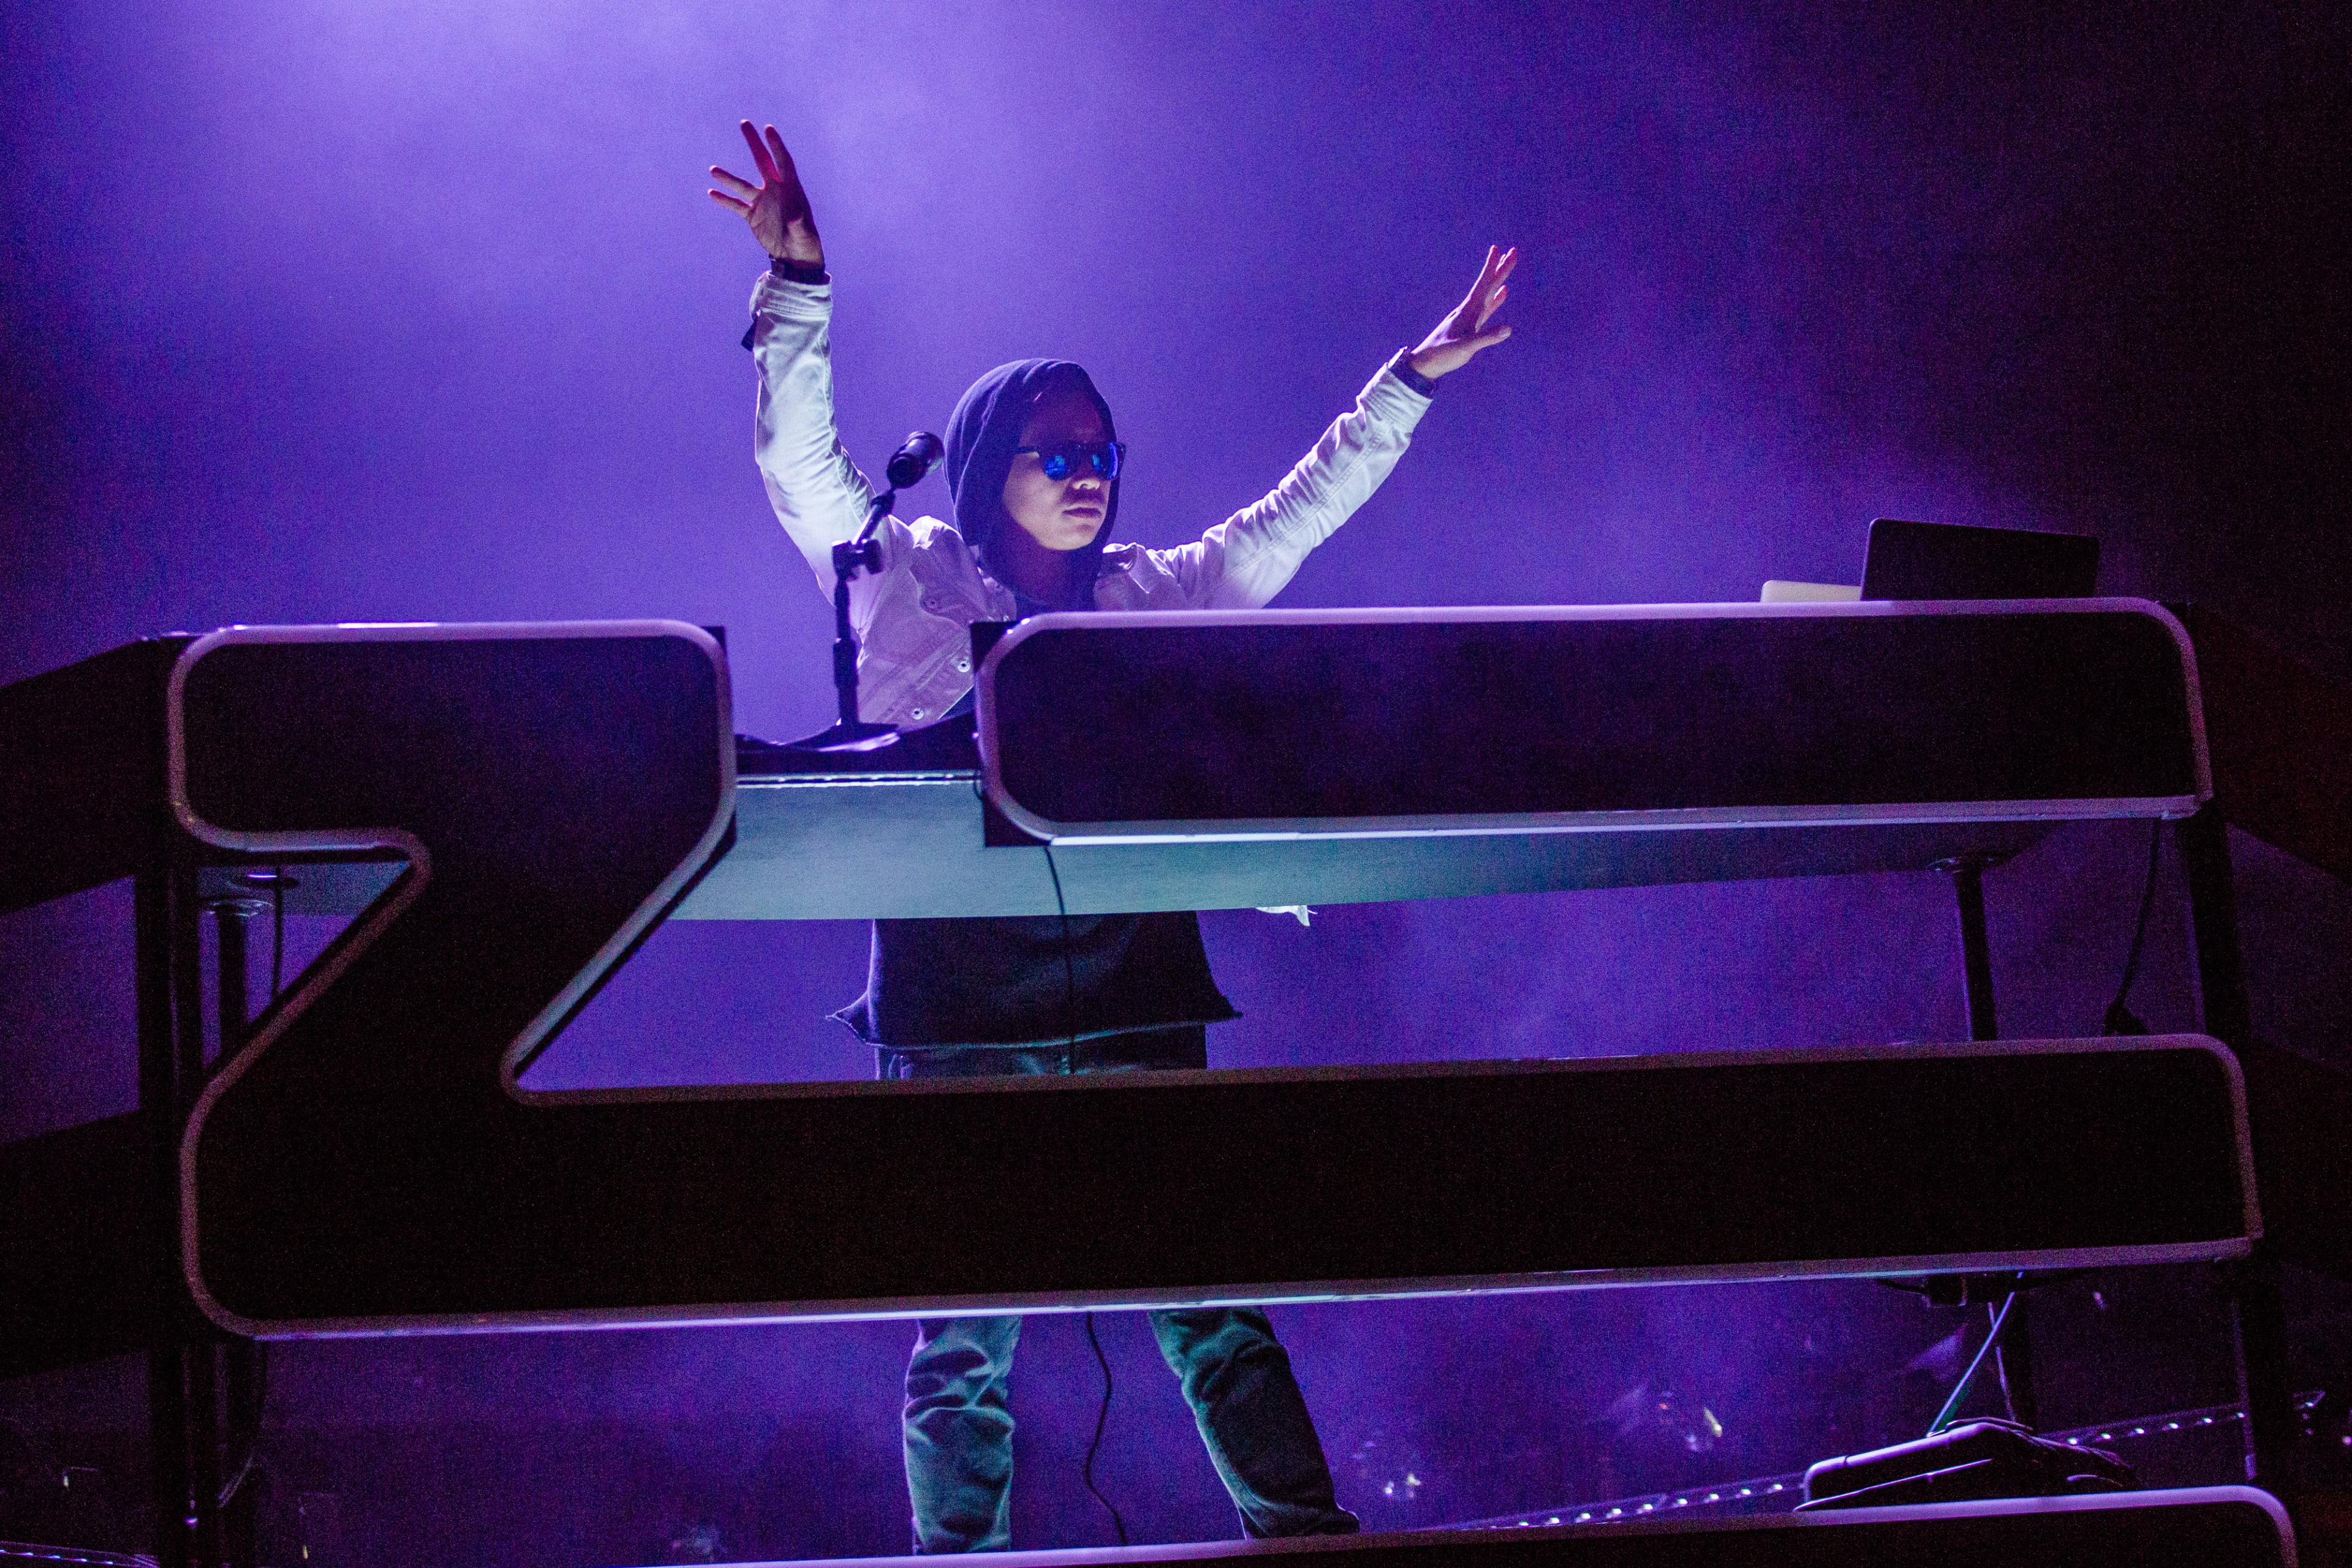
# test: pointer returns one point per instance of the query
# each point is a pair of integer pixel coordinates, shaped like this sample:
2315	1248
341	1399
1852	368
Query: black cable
1101	1415
1070	1064
276	931
1069	972
2120	1019
1069	984
243	1428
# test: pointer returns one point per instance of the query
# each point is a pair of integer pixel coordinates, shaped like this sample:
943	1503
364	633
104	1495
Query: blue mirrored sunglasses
1060	462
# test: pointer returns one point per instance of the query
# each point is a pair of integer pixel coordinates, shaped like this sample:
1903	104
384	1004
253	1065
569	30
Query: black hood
981	435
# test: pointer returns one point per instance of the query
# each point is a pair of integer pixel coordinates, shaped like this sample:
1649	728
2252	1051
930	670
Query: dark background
323	310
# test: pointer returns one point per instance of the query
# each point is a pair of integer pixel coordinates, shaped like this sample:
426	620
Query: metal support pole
2013	1357
2257	1313
1967	872
232	917
2213	919
2255	1301
167	1386
240	1358
200	1433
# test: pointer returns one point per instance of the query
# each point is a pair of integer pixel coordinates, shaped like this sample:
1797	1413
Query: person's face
1060	513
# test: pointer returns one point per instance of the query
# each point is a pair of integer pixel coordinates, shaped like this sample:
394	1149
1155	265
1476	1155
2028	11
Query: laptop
1952	560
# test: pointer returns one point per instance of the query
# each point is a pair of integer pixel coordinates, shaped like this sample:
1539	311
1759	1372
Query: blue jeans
1235	1376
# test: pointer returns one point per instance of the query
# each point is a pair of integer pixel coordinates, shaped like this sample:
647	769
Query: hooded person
958	997
970	997
983	440
963	997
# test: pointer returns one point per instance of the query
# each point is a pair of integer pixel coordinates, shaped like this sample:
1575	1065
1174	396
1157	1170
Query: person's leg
958	1434
957	1428
1236	1377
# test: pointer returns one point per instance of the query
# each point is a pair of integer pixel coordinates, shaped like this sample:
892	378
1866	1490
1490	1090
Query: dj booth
506	812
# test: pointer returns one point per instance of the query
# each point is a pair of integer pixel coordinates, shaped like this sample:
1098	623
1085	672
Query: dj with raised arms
1033	463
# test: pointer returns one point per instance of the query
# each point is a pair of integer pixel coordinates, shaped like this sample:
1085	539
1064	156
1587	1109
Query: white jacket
913	617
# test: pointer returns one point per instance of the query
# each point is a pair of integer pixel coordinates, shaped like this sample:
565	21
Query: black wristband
791	271
1402	366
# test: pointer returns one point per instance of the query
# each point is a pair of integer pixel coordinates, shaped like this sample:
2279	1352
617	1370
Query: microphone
917	456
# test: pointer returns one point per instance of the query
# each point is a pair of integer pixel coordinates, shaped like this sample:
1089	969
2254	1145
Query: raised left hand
1457	339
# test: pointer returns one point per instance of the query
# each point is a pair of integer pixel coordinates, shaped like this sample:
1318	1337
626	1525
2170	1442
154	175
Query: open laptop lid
1952	560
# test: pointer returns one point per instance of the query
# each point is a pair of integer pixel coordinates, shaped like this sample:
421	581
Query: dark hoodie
1137	987
981	435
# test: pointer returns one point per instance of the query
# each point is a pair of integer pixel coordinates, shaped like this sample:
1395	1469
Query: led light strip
1792	1486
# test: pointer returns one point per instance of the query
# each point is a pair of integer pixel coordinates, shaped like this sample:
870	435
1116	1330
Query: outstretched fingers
1498	269
783	159
724	199
742	187
1464	331
760	155
1486	295
1494	303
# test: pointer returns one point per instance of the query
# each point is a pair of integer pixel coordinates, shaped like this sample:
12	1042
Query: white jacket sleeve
818	492
1246	559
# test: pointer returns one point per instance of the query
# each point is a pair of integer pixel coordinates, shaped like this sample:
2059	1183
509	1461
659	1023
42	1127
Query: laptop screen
1952	560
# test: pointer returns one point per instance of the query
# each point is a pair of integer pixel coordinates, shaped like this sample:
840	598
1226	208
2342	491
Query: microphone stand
851	557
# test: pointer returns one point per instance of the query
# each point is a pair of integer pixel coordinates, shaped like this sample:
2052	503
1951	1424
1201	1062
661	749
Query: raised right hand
777	208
